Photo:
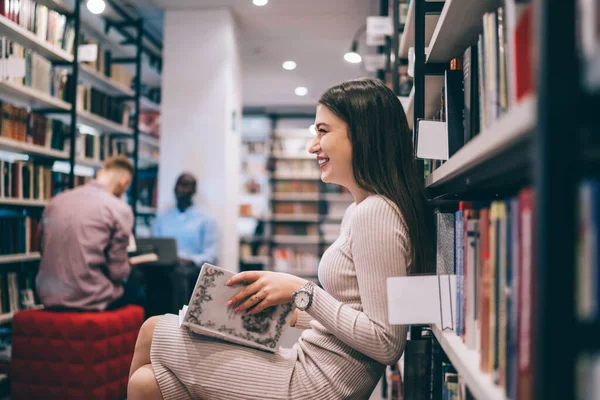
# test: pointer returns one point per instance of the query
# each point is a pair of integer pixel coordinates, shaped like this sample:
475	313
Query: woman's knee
144	339
143	385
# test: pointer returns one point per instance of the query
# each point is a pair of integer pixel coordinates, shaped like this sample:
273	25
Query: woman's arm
377	243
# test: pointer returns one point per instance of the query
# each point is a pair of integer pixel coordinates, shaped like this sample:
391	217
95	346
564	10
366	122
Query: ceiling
314	33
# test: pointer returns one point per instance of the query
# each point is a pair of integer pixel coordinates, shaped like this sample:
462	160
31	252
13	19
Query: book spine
485	289
526	229
459	262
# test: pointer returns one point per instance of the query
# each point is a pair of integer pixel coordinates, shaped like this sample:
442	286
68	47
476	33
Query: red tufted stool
71	355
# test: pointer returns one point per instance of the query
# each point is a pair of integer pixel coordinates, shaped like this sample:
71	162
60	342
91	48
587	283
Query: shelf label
88	53
15	67
377	29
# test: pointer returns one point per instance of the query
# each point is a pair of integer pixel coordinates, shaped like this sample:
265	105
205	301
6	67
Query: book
208	315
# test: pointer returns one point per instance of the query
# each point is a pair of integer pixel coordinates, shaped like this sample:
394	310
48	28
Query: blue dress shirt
194	230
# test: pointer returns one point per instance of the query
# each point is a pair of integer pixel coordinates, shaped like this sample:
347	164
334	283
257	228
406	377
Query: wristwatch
302	298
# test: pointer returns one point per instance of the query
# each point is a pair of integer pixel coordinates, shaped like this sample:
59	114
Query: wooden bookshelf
295	218
56	5
296	239
448	42
17	258
408	37
22	202
6	317
30	40
296	196
510	132
31	149
25	96
103	83
88	162
101	124
466	362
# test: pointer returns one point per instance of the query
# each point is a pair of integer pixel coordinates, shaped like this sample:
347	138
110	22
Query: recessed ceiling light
260	3
289	65
96	6
301	91
352	57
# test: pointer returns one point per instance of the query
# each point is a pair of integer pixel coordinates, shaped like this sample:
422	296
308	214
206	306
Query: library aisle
209	108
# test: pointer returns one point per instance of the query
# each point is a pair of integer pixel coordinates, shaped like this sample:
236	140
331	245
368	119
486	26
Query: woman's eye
322	131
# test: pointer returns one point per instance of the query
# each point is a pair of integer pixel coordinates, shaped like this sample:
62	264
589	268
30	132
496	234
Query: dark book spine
417	380
454	104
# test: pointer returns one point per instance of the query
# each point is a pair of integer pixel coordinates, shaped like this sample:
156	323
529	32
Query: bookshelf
539	141
22	143
18	258
29	97
496	146
8	144
28	39
22	202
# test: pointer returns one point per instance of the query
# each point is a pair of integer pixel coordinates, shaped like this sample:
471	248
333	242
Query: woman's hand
266	289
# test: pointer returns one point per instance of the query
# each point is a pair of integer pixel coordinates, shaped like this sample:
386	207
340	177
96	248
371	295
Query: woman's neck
359	194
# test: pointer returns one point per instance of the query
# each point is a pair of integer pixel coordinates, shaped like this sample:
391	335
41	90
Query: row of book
46	24
95	101
27	180
493	258
18	124
490	248
18	234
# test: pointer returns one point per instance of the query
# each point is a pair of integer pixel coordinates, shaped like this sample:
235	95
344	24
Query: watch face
302	300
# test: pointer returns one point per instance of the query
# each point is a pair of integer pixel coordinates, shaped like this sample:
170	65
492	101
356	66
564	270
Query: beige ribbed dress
347	339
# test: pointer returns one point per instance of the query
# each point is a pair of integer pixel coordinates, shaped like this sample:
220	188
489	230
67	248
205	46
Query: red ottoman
70	355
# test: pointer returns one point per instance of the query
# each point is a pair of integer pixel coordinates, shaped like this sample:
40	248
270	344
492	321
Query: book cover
494	289
454	105
485	289
471	261
526	240
471	93
501	285
445	243
207	314
459	268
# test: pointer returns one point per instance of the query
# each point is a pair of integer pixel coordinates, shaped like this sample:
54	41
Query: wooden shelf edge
16	258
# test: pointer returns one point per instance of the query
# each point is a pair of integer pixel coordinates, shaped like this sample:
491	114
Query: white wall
200	94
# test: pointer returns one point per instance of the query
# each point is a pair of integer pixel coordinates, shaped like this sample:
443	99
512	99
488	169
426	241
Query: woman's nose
314	146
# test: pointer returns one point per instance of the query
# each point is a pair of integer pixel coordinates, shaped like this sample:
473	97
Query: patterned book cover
207	314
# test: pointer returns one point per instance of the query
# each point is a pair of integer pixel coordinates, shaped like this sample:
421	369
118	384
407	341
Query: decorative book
208	314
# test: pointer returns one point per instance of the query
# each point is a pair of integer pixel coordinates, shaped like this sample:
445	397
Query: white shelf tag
88	53
432	140
15	67
422	300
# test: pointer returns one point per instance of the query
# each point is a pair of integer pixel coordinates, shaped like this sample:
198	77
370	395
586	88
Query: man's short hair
118	161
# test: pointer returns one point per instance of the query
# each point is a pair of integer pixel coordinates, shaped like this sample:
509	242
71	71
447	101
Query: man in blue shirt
194	230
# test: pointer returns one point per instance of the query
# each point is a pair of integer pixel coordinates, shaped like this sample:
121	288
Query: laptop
153	252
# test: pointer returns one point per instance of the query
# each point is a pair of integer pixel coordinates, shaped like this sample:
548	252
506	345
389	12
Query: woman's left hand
266	289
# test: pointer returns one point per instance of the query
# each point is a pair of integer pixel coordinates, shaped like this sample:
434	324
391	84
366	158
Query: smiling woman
363	143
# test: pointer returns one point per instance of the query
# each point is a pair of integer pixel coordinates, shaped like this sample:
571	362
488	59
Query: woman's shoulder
377	207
